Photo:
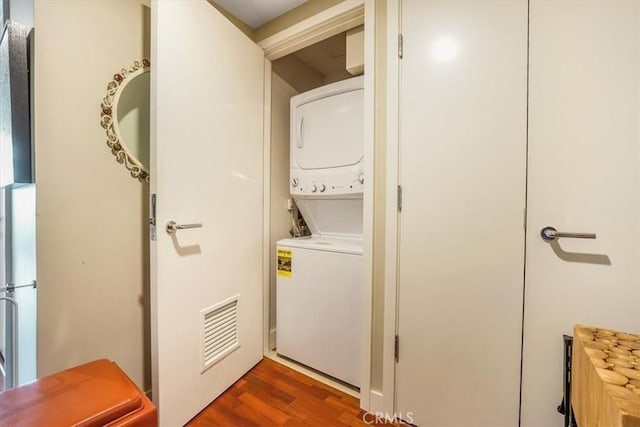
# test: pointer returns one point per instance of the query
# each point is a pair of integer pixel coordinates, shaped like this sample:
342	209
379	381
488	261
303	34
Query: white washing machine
319	305
320	278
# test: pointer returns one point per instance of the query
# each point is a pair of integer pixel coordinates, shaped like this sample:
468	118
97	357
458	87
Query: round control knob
294	182
314	188
322	188
361	178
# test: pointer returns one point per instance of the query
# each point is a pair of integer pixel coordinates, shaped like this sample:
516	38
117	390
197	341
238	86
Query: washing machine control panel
327	182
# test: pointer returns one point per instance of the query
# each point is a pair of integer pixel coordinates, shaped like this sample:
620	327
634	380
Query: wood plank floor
272	394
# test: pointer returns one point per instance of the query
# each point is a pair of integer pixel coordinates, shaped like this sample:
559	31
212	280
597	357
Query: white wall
281	93
92	254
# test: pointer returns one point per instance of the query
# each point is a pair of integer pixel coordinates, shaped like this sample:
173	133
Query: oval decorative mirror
125	118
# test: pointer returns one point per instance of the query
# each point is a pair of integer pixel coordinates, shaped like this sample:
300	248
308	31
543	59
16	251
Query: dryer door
328	132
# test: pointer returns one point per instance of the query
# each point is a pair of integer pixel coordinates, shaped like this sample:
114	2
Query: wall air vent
219	331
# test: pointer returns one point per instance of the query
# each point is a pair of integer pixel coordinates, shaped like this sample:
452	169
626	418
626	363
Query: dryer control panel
323	182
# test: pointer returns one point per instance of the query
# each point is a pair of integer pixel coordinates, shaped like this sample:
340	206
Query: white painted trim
153	189
341	17
368	207
392	216
377	402
266	208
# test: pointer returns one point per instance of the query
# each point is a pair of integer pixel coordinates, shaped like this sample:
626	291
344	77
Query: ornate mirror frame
109	119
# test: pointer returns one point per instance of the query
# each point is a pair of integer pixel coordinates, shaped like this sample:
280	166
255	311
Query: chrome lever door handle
549	234
172	226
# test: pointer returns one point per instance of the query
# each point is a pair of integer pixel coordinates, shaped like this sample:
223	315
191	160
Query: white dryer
327	143
320	278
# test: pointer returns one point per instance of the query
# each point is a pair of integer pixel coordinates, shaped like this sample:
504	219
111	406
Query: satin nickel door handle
549	234
172	226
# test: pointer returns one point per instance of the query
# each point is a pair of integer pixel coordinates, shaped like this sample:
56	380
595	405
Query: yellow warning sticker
284	263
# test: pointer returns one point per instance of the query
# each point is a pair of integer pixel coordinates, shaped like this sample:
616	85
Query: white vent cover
219	331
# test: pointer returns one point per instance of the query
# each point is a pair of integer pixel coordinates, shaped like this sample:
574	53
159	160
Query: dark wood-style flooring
272	394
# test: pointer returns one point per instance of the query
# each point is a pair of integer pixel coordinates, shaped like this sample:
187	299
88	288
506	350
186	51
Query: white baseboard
376	402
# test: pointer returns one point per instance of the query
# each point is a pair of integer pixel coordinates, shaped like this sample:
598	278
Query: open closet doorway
305	63
316	209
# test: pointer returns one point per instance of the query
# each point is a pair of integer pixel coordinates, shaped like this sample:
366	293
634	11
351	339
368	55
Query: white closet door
207	126
462	170
584	165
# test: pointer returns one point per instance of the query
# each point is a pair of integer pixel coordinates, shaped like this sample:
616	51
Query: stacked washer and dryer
320	277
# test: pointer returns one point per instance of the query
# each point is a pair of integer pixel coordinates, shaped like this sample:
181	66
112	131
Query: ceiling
256	12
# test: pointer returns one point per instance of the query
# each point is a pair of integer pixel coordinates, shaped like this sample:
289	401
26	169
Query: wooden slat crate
605	378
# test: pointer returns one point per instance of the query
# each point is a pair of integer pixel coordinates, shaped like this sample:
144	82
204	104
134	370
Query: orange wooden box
94	394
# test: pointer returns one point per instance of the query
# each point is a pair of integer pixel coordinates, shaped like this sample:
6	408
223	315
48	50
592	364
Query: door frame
334	20
391	250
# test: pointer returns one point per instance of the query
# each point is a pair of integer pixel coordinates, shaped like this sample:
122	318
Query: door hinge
524	220
399	198
152	218
400	46
396	350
